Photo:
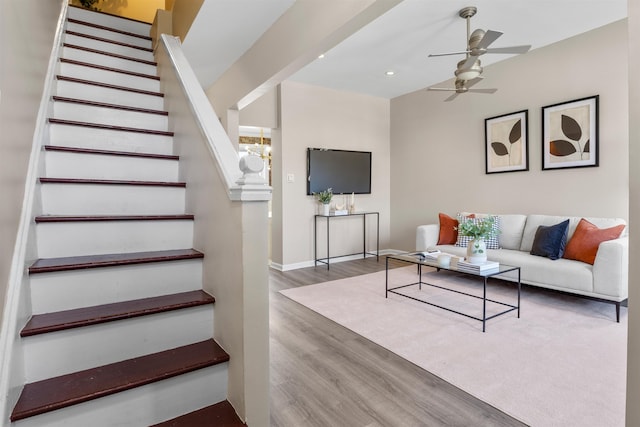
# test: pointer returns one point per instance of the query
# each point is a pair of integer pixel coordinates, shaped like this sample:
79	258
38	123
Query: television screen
343	171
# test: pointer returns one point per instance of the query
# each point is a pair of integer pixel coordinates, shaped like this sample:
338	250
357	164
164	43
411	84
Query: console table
364	252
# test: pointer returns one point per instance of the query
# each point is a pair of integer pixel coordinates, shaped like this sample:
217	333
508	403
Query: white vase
326	209
477	251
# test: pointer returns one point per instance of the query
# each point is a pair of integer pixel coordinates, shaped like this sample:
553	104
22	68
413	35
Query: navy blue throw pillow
550	240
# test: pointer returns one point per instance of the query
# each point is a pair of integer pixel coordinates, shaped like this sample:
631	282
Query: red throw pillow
448	230
584	243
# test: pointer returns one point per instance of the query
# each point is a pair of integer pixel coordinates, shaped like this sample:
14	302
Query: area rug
562	363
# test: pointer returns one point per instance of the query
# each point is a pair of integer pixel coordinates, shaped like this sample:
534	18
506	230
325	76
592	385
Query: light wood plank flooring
325	375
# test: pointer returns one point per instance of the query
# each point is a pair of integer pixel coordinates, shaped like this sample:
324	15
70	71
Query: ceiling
398	41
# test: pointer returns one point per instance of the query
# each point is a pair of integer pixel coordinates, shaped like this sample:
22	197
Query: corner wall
323	118
438	148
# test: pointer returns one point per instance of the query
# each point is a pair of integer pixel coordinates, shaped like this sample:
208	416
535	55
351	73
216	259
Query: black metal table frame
484	276
364	252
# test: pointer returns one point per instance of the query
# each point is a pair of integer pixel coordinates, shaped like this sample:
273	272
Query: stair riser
78	165
110	35
98	199
67	290
114	341
110	77
107	95
129	52
64	239
108	61
102	139
142	406
127	25
109	116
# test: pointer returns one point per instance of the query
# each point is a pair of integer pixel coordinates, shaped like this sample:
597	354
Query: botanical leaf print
561	148
499	149
571	128
516	132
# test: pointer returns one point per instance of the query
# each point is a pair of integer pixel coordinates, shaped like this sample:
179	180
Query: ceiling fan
463	86
478	44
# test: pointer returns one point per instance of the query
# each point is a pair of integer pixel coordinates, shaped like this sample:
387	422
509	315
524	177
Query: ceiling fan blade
511	49
489	37
492	90
431	55
469	62
452	97
442	89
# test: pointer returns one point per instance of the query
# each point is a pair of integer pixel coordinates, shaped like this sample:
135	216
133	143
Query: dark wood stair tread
109	86
221	414
105	68
100	218
86	316
102	27
66	390
107	105
47	265
102	39
110	127
45	180
110	152
113	55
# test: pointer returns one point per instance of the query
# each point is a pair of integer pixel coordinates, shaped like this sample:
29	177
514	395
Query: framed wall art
570	134
507	142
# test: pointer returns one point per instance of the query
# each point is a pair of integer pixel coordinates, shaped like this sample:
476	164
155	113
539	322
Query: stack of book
485	267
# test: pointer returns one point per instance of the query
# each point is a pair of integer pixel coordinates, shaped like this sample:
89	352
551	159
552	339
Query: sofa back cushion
511	228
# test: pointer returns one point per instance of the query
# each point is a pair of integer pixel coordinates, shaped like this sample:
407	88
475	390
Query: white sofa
606	279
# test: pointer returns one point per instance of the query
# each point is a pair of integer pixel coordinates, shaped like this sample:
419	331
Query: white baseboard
310	263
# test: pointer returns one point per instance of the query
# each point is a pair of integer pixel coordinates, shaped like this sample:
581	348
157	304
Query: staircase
121	332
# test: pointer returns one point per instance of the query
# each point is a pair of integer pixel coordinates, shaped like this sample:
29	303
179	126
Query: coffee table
418	259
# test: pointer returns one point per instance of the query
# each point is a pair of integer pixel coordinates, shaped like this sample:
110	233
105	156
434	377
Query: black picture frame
507	142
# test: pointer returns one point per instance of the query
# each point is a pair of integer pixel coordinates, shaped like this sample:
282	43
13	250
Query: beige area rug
563	363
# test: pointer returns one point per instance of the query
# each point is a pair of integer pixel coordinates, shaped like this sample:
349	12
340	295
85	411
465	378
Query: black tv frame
341	163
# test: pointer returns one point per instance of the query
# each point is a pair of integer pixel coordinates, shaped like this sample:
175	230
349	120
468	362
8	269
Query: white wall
323	118
438	148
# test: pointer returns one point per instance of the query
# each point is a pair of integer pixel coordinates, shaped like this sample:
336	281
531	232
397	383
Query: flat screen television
343	171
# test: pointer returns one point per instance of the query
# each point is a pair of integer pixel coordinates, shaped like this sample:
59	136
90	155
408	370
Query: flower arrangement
478	229
325	196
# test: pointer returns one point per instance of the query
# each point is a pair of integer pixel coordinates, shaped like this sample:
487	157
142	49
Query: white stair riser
66	290
108	61
109	77
103	139
96	166
109	116
110	35
129	52
98	199
110	21
142	406
114	341
89	92
64	239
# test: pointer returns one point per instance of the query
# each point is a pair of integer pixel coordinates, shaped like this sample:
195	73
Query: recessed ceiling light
389	73
321	56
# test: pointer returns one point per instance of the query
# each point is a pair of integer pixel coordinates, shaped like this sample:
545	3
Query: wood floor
322	374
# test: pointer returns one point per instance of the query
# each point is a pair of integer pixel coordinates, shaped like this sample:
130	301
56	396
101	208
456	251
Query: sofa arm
611	269
427	236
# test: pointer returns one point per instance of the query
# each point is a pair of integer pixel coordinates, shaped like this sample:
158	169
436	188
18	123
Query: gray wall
438	148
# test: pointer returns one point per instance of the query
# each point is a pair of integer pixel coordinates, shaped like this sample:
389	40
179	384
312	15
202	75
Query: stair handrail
242	176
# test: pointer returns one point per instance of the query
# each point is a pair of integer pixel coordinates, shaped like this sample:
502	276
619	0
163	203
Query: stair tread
110	152
66	390
109	85
75	318
110	127
96	218
46	180
45	265
221	414
112	69
114	55
107	105
102	27
102	39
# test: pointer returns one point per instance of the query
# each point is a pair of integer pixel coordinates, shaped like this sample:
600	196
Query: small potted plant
324	197
479	230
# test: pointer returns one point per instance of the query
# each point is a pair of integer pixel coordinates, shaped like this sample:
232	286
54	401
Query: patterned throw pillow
492	242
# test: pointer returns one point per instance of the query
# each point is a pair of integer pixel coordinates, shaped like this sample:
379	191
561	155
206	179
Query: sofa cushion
550	240
448	230
584	243
511	228
532	224
492	242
